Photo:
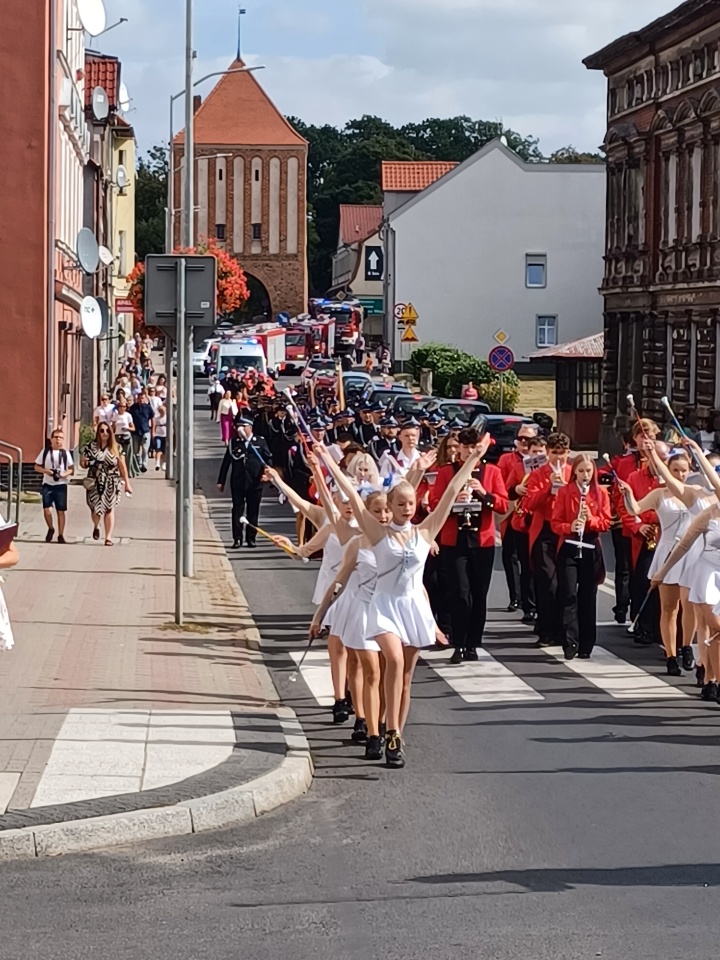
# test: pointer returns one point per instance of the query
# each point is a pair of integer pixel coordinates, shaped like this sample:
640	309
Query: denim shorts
55	496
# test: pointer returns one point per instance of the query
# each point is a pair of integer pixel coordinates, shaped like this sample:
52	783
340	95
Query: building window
121	157
613	102
257	231
535	270
220	233
122	254
220	173
257	176
588	385
546	331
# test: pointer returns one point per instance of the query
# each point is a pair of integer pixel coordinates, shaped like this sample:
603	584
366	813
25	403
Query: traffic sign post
502	360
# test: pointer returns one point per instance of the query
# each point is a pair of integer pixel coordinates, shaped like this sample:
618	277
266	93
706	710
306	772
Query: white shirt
160	426
155	402
130	350
122	422
707	440
54	460
228	406
104	414
387	467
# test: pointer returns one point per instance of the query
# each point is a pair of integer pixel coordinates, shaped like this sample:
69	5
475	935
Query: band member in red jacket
513	472
467	541
519	522
580	513
542	489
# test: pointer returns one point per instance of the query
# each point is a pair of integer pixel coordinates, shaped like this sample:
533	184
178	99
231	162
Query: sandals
96	533
109	543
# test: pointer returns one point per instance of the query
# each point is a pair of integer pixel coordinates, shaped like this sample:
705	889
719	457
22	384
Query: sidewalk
107	707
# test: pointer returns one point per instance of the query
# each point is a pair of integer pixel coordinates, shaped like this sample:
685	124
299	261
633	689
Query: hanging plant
232	288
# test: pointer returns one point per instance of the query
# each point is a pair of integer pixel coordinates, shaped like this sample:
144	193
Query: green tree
453	368
151	202
571	155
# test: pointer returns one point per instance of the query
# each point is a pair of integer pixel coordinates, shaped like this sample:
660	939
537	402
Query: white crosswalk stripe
486	681
618	678
316	674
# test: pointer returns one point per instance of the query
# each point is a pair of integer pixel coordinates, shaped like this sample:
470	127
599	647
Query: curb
232	807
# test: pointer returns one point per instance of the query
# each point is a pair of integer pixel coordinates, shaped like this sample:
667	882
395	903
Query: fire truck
348	317
306	338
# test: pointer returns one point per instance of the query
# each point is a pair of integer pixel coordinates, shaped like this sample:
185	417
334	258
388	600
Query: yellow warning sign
409	315
409	335
501	337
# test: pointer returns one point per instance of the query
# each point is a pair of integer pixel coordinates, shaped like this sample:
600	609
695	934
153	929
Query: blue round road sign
501	359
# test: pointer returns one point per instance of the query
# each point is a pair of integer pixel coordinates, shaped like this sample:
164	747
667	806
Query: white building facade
499	244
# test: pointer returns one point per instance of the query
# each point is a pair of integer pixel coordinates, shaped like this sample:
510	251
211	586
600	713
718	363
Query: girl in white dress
399	616
8	558
349	607
671	503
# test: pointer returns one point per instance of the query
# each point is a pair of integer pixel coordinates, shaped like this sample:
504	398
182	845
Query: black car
465	410
385	395
503	428
409	404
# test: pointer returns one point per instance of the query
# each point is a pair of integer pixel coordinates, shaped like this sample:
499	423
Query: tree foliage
151	202
571	155
452	369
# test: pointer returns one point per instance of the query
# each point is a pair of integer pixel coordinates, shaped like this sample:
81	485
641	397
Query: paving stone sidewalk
104	700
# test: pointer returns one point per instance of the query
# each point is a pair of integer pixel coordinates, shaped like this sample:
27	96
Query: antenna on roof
241	13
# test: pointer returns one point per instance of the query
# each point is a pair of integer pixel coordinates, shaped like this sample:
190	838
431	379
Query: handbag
89	480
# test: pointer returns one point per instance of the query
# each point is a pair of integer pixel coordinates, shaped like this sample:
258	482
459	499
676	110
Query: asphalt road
571	826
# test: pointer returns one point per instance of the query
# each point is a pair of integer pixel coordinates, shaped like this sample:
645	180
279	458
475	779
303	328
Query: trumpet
519	509
651	541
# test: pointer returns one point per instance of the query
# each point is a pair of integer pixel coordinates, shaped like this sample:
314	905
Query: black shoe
470	655
96	533
457	656
251	544
374	748
61	538
50	534
512	606
571	650
359	734
340	711
542	643
528	618
644	639
688	658
709	691
237	544
584	656
394	754
143	469
673	667
699	675
621	617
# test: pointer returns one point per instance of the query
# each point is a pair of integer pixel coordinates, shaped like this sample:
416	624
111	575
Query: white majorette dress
7	641
705	575
399	604
349	613
683	569
329	566
674	519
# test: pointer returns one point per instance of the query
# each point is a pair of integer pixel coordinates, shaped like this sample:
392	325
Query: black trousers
621	547
527	586
578	588
549	613
511	565
648	627
436	583
245	503
469	571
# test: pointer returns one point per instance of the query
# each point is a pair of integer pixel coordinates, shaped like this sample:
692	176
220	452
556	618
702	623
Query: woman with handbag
106	470
8	558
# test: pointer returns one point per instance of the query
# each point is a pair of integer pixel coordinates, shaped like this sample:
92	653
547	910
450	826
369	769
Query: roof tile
587	348
102	71
359	221
238	112
412	176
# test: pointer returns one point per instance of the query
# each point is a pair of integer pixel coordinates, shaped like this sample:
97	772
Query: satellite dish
100	105
106	256
92	16
123	98
87	250
91	317
122	178
105	315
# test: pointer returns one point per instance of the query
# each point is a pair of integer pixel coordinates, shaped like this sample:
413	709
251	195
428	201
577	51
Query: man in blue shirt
142	413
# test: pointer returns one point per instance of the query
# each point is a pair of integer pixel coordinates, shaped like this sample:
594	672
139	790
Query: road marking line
316	674
8	784
487	681
618	678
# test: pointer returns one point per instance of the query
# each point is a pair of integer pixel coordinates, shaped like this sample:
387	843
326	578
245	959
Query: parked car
374	392
465	410
354	384
503	428
412	404
201	358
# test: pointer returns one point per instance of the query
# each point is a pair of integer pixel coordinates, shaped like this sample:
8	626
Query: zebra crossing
491	681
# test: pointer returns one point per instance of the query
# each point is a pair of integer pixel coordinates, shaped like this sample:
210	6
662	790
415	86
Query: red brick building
252	198
661	286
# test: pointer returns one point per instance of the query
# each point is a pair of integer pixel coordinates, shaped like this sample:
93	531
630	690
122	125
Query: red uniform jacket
513	473
539	500
493	482
642	482
567	506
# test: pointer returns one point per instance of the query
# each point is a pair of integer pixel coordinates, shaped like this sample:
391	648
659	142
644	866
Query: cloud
515	60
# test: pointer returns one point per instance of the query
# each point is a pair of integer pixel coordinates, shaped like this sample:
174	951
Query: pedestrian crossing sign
409	336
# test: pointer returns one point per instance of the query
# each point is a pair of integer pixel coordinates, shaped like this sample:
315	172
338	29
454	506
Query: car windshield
295	339
238	362
412	403
452	409
504	431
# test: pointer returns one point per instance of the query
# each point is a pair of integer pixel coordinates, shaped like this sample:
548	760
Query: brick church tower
250	187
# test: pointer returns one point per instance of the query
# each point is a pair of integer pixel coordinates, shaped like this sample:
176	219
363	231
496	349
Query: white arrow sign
373	260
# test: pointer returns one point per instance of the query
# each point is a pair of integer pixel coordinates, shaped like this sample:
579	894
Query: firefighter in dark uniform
367	428
386	441
246	457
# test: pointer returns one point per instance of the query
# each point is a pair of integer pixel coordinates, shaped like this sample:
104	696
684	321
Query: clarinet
584	489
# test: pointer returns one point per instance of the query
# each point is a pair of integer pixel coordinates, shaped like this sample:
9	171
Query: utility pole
185	345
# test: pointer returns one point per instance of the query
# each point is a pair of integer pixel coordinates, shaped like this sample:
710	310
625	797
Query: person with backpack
56	466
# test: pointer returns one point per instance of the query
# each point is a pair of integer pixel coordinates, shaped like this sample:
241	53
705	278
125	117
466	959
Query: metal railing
16	453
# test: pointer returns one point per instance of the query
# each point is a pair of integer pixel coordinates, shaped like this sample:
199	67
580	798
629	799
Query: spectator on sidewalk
159	437
8	558
359	349
228	410
161	387
106	471
55	463
104	411
142	415
215	392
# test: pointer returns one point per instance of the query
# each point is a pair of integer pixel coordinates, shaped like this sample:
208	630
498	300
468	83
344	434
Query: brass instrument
469	513
519	509
651	542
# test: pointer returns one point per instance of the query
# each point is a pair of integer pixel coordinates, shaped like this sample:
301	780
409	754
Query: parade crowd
407	512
